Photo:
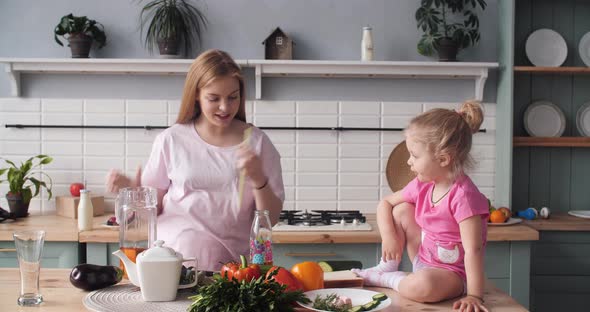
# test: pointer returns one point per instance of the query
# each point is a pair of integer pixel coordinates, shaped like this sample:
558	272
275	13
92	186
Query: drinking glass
29	247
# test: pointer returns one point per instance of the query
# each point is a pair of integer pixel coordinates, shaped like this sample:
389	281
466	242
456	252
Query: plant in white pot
171	23
21	179
449	26
81	32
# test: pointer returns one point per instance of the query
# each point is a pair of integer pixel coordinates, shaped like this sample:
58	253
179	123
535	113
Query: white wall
321	169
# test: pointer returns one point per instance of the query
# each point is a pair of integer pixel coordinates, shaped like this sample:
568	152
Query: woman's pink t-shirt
200	216
441	238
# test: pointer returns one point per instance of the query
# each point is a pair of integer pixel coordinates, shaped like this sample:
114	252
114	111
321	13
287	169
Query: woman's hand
250	163
391	249
470	304
116	180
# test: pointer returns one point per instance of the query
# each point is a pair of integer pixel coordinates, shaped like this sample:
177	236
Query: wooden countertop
517	232
560	221
60	296
58	229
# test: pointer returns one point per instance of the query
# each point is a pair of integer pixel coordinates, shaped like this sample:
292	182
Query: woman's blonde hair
210	65
446	131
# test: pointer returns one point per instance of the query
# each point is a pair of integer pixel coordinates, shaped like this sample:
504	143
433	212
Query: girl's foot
383	266
385	279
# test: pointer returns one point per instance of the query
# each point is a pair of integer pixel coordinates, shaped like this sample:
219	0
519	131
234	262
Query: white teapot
156	271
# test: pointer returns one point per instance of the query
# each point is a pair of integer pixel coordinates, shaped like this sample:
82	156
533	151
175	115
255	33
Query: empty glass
29	248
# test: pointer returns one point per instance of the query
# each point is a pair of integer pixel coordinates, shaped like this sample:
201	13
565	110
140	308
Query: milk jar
261	239
367	44
85	211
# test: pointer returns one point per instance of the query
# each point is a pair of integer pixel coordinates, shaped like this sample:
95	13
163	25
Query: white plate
545	47
112	227
357	296
584	49
510	221
544	119
583	119
580	213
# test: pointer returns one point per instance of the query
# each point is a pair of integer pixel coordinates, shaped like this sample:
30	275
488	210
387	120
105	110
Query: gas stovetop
322	220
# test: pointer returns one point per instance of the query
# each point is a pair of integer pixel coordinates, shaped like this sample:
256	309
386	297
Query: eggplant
91	276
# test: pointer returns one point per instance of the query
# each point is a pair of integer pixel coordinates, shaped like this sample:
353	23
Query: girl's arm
471	236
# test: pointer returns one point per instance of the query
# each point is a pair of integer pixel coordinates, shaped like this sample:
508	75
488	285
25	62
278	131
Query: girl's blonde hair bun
472	112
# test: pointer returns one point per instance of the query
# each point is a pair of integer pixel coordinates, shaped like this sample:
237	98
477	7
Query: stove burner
321	217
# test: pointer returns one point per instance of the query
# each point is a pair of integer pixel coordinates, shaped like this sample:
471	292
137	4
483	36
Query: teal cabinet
560	272
101	253
55	255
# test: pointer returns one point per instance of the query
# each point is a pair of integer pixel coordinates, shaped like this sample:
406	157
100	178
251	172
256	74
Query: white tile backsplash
321	169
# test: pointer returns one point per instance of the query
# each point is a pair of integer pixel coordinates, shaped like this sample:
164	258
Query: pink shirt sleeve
468	204
155	172
410	192
271	162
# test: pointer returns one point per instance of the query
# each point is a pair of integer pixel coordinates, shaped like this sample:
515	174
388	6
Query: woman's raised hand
251	164
116	180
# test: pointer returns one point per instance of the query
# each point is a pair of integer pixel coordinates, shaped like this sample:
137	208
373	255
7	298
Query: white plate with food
584	49
544	119
583	119
580	213
357	297
546	47
510	221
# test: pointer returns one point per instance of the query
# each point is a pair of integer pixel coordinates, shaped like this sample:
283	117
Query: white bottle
367	44
85	211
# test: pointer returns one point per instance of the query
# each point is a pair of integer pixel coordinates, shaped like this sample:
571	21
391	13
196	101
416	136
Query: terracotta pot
80	45
447	50
17	205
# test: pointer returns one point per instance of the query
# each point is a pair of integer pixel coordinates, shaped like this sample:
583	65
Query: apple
507	213
75	188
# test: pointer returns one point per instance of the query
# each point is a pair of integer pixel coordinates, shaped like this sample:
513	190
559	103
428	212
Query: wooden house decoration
278	46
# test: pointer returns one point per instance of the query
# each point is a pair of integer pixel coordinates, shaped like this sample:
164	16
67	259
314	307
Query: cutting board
342	279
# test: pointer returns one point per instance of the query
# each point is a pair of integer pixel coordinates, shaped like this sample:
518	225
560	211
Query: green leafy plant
448	19
21	179
71	25
263	294
172	19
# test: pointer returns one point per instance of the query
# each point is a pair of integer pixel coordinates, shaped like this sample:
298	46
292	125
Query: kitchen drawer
55	255
287	255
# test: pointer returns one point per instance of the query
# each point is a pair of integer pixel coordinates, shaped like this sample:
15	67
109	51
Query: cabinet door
287	255
55	255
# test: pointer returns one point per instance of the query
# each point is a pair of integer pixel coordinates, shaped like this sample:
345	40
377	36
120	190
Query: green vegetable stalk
262	294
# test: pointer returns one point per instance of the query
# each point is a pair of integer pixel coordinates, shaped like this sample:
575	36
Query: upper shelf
552	142
552	70
263	68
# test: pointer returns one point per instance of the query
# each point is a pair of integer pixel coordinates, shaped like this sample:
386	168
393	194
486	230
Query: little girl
440	216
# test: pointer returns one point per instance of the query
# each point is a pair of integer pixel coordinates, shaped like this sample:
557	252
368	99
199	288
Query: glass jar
261	239
137	220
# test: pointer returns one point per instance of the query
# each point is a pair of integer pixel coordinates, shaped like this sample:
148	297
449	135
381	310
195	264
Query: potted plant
171	23
80	32
449	26
21	179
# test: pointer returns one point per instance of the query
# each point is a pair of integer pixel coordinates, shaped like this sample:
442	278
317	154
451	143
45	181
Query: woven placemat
127	298
398	171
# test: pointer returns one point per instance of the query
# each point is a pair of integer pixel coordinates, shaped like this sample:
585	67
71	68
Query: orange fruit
497	217
506	212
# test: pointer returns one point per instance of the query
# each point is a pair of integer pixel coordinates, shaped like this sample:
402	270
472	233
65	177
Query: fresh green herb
330	303
262	294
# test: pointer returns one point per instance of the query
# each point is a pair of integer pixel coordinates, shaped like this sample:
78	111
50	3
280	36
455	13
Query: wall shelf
552	70
263	68
551	142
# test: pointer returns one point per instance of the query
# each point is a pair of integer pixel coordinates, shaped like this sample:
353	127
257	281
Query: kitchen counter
57	228
60	296
518	232
560	221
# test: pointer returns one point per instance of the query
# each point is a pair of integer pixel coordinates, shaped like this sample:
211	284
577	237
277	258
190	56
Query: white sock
383	266
392	279
381	279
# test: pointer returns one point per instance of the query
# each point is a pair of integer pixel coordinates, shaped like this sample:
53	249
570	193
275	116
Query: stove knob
343	222
355	222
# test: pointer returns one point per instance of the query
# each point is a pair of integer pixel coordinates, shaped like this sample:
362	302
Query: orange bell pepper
310	274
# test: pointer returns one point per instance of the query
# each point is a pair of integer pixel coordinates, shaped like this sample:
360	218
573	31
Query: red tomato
285	277
310	274
75	188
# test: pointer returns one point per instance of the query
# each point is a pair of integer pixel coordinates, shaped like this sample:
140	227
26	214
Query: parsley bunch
263	294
